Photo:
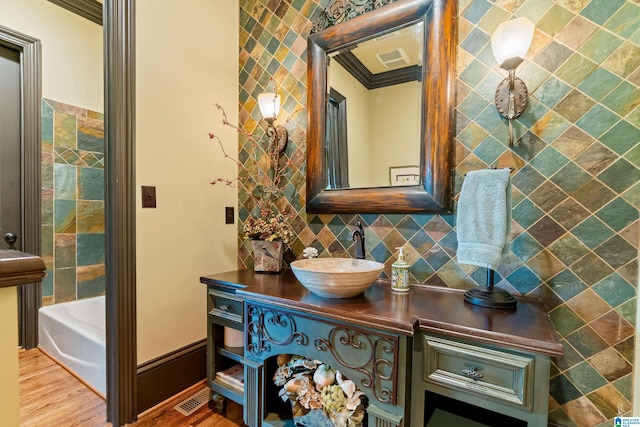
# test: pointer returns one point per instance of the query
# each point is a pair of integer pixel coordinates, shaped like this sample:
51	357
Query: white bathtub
74	334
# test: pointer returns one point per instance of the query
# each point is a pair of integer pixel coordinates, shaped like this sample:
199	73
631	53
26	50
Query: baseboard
171	373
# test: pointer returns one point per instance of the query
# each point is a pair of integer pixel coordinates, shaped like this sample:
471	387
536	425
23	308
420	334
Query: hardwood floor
51	396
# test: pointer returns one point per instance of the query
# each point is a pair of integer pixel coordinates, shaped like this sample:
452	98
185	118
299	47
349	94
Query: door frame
29	296
120	209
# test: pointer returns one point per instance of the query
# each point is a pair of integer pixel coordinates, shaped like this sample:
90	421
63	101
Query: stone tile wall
72	202
575	183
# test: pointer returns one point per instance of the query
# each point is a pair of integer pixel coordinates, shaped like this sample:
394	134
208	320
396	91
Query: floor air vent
195	402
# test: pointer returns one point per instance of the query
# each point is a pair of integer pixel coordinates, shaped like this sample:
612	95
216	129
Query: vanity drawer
501	375
226	306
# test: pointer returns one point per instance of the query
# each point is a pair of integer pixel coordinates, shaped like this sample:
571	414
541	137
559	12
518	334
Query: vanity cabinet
224	309
419	357
492	385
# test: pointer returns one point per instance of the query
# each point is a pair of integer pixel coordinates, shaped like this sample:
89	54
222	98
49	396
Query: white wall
72	64
186	62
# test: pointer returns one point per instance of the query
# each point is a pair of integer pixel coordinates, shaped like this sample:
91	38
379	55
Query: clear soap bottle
400	273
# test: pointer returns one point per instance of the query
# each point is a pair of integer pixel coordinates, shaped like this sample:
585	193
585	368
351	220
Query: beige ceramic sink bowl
336	277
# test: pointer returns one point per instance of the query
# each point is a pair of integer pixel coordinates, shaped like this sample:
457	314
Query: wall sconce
510	44
269	103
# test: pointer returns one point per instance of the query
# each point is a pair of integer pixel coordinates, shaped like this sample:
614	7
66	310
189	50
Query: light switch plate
229	215
148	197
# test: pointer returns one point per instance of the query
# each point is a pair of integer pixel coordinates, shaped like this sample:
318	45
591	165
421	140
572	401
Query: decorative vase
267	255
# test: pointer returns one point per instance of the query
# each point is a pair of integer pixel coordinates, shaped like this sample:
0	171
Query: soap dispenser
400	273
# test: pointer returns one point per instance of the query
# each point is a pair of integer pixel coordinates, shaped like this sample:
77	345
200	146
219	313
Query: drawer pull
472	372
224	307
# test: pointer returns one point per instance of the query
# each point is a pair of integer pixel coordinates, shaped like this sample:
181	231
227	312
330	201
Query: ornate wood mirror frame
433	195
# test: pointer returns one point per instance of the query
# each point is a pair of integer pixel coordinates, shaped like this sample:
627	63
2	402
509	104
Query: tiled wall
72	202
575	187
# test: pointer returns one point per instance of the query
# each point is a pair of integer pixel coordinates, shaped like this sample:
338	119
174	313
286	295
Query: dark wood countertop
20	268
431	309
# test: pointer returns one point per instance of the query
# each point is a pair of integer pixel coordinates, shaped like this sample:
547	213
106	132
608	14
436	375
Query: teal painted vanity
416	356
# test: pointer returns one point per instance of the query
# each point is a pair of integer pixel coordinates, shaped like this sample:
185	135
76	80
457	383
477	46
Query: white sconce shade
510	42
269	104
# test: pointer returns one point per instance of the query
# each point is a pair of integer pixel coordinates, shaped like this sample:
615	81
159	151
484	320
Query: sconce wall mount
510	44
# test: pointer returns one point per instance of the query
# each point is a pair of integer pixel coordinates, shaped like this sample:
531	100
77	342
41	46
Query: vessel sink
336	277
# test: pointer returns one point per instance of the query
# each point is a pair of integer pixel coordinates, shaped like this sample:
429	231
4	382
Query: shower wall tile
91	281
65	284
575	184
72	202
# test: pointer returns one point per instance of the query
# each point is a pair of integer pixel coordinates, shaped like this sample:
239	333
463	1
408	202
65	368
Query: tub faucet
358	236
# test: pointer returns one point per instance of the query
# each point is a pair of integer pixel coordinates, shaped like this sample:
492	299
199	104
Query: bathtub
73	333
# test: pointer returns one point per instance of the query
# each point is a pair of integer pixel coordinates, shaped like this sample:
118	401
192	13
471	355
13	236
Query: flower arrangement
312	386
269	226
270	223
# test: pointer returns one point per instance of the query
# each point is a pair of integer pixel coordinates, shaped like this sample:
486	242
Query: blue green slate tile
575	69
437	258
47	283
47	111
568	249
587	342
91	249
489	119
549	161
475	41
551	91
625	386
525	247
634	117
92	286
90	134
585	377
566	284
64	126
524	280
600	45
623	99
473	104
614	289
621	137
474	73
489	150
565	320
380	253
533	75
487	87
526	213
618	214
551	126
616	252
64	181
599	11
476	10
570	178
599	83
472	135
421	270
592	232
626	21
620	175
628	310
91	184
534	9
532	113
527	179
65	216
597	121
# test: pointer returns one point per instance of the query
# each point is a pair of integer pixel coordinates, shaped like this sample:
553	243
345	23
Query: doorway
21	63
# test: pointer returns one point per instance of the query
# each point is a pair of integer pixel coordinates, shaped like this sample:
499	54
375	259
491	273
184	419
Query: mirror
395	160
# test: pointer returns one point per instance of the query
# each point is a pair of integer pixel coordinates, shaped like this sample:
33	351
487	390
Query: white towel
484	218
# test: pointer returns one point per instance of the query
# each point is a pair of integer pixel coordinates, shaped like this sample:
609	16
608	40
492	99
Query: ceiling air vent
393	59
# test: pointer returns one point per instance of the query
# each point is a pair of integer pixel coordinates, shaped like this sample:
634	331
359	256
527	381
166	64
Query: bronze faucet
358	236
